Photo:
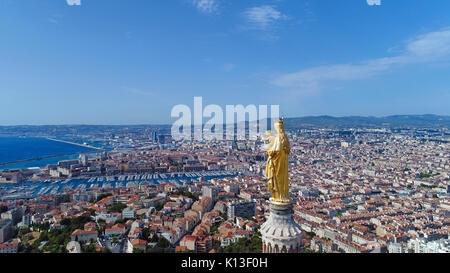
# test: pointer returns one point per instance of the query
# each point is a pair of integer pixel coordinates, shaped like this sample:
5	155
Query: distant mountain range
397	121
431	121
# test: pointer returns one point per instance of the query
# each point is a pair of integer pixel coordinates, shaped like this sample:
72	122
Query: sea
14	149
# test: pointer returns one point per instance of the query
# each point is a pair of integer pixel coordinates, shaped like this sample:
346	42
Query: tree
92	212
119	207
137	250
66	222
101	196
57	239
106	250
160	205
159	250
145	233
43	236
65	199
185	193
90	248
154	238
244	245
3	209
121	221
163	242
22	231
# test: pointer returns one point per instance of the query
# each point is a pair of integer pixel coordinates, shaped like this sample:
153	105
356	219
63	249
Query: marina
31	189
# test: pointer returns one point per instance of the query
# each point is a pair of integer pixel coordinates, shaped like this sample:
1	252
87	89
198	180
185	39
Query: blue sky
130	62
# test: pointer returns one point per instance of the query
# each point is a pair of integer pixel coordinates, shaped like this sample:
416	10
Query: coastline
3	165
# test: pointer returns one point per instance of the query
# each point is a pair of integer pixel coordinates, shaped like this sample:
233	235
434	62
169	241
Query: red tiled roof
84	232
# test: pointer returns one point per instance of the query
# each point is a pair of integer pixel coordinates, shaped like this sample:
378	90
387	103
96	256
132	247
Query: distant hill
429	121
398	121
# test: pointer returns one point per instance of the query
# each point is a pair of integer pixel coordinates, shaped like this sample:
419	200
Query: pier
74	143
35	159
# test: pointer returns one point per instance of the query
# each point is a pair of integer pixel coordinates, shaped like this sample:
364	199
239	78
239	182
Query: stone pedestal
280	233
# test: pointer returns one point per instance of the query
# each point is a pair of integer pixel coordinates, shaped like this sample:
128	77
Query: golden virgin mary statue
278	150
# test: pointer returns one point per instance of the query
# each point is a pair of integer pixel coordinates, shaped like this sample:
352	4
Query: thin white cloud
431	46
137	91
428	48
54	19
228	67
206	6
263	17
73	2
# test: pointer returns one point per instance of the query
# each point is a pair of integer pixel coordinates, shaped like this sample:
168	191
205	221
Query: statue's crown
280	121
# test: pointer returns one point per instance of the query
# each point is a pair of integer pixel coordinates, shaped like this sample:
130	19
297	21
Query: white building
397	248
128	213
421	246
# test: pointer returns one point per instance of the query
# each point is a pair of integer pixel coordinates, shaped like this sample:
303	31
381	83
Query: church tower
280	233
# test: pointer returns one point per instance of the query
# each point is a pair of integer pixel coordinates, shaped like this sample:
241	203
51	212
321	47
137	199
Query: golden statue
278	150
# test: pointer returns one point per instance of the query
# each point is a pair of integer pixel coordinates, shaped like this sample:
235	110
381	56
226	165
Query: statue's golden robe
277	165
